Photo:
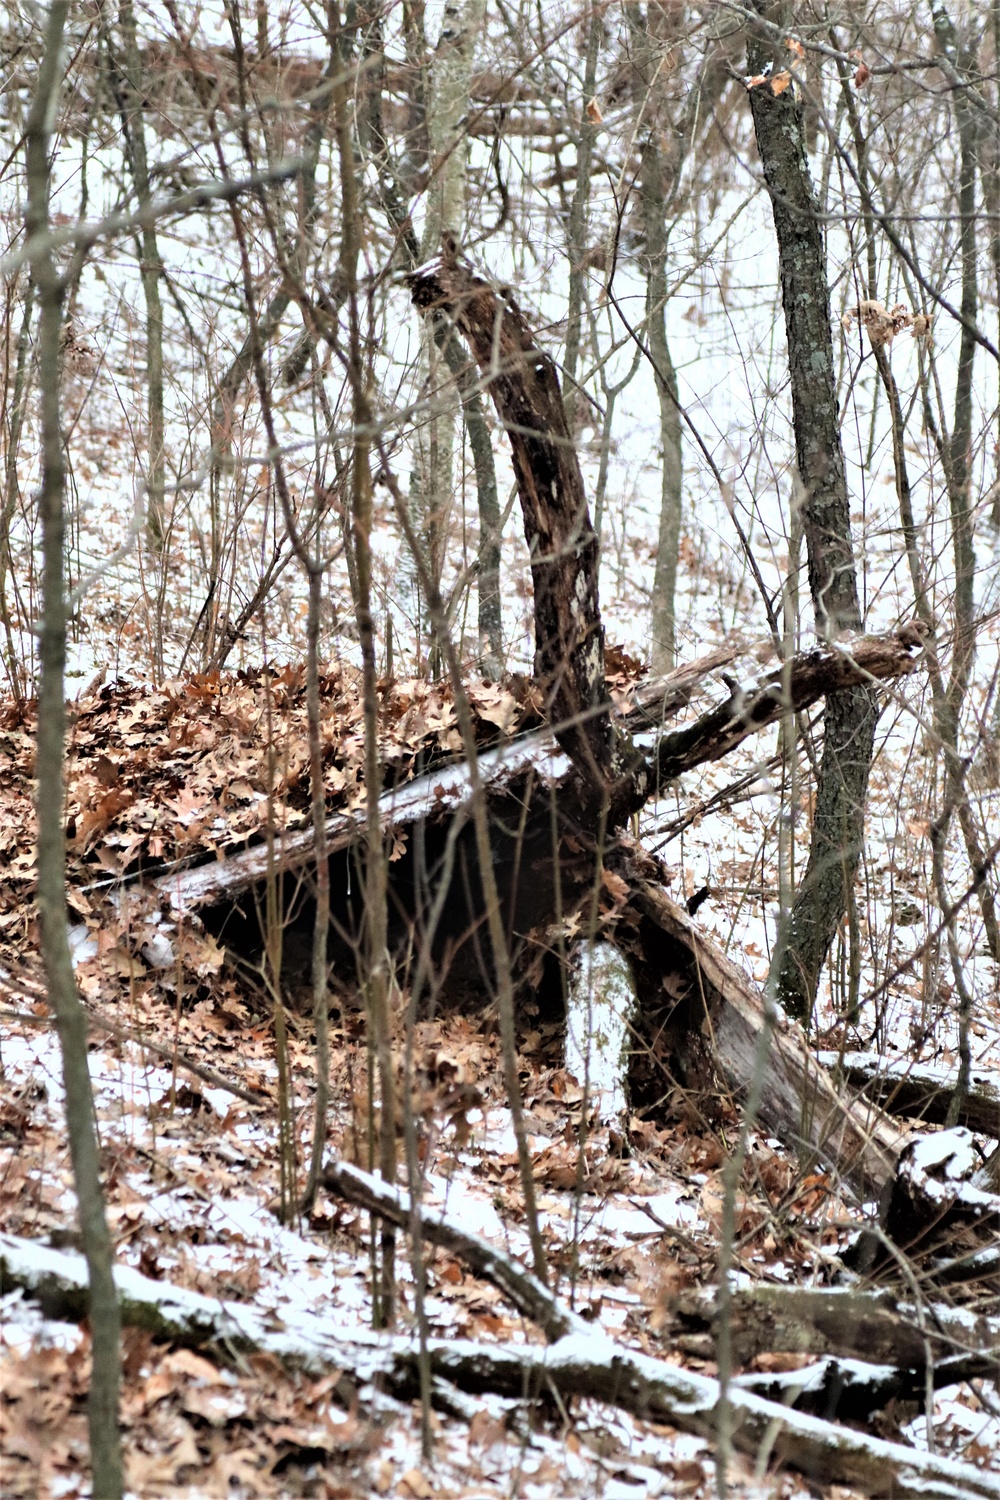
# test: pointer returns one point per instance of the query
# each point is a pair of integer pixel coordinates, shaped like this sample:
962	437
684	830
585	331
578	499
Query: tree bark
923	1090
569	636
432	486
842	1321
129	81
662	154
105	1446
708	1019
377	976
849	730
576	227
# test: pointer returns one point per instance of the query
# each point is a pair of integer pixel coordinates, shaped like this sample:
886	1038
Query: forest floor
194	1171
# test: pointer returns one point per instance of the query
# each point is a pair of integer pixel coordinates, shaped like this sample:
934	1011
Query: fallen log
519	1285
924	1090
939	1208
940	1184
853	1390
579	1364
446	791
847	1323
857	1328
860	1388
709	1006
710	1017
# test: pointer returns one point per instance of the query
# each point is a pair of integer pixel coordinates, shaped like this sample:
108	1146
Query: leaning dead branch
851	1329
580	1364
524	1290
565	1328
569	636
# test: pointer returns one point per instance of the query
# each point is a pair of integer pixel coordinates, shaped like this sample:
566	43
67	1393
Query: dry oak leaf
496	706
617	888
780	82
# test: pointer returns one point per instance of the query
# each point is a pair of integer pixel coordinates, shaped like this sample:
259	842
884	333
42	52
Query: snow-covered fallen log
941	1182
921	1089
519	1285
845	1385
582	1363
852	1390
842	1322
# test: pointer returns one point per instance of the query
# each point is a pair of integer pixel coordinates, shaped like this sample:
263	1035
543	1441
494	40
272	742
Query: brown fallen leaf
414	1483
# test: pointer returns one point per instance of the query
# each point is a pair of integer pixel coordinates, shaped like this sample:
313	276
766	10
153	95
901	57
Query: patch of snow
600	1006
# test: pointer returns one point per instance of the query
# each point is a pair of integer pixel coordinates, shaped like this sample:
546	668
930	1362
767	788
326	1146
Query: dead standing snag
569	636
569	664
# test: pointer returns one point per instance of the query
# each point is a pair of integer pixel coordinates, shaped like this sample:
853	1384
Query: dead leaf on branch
882	323
778	82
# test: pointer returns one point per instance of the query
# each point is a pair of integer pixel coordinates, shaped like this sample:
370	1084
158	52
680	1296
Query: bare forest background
381	387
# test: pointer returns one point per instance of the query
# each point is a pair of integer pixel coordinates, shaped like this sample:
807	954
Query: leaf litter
631	1220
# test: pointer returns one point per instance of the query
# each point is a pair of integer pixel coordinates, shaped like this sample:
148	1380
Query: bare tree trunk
576	229
131	105
373	138
664	629
849	727
490	614
956	457
377	977
653	170
447	91
14	426
105	1445
666	138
